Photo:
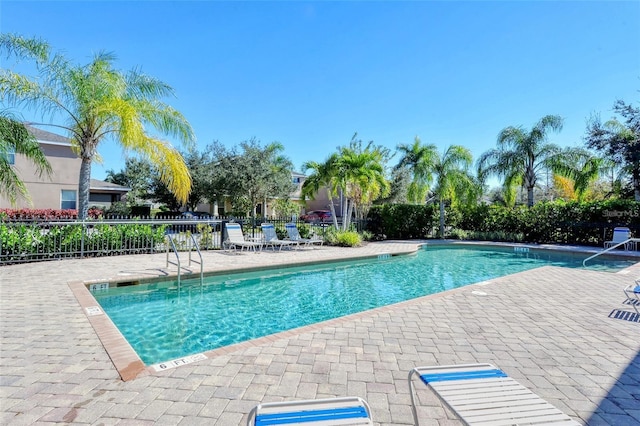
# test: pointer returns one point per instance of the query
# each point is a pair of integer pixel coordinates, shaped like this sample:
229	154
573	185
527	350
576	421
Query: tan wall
45	192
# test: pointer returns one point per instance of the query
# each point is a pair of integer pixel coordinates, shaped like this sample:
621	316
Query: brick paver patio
548	328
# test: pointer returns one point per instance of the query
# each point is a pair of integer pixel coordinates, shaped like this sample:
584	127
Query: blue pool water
163	323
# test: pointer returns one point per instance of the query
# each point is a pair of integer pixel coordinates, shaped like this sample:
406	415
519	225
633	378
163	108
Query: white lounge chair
620	234
271	238
481	394
632	294
235	239
294	235
334	411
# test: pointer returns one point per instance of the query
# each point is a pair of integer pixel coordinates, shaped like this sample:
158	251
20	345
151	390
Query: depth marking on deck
93	310
178	362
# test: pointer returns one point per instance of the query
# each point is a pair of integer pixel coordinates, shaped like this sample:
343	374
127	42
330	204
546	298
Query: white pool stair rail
192	243
633	241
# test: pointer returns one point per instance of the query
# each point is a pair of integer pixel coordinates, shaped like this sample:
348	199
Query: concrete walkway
548	328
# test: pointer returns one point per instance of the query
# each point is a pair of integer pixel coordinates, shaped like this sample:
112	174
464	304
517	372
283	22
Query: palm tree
521	154
360	175
322	176
98	102
450	171
16	139
454	182
418	159
579	166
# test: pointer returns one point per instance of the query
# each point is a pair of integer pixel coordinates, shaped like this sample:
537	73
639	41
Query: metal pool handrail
175	251
630	240
193	243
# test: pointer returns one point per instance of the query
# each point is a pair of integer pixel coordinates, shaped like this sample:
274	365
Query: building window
297	179
68	199
10	156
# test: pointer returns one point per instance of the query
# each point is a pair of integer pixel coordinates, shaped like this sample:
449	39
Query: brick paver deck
548	328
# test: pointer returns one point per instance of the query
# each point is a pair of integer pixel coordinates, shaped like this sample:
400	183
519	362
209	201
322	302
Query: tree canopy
249	175
619	140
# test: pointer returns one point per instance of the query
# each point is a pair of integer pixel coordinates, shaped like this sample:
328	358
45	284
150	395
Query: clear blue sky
311	74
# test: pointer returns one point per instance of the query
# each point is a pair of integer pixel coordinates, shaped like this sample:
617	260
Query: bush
32	241
45	214
348	239
334	237
402	221
557	222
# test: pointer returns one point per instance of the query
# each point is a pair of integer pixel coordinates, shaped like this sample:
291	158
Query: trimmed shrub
402	221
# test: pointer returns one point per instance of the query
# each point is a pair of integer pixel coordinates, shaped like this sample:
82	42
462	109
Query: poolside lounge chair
271	238
294	235
481	394
632	295
620	234
235	239
334	411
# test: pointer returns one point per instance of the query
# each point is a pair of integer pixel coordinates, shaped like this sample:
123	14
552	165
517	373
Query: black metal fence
30	240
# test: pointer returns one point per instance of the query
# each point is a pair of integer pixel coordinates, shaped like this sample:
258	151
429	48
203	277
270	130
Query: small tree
138	175
254	173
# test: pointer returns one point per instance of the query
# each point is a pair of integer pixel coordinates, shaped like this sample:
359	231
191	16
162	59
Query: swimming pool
162	322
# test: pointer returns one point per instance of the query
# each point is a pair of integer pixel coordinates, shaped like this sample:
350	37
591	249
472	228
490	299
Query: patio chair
481	394
271	238
333	411
235	239
620	235
632	295
294	235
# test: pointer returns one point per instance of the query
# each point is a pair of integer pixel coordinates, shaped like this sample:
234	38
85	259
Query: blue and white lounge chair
620	235
481	394
271	238
294	235
334	411
235	239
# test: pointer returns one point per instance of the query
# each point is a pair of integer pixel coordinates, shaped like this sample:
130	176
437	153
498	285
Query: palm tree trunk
530	196
83	188
346	221
636	183
332	208
441	218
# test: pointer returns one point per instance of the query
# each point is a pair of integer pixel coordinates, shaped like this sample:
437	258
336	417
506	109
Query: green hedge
557	222
20	241
402	221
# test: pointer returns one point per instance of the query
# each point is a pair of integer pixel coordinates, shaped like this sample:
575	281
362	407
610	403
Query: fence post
84	228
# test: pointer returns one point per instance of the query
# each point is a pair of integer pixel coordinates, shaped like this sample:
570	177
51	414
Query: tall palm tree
449	173
98	103
16	139
521	154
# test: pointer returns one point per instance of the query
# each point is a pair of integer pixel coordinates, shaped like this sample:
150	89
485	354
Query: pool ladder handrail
630	240
177	262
